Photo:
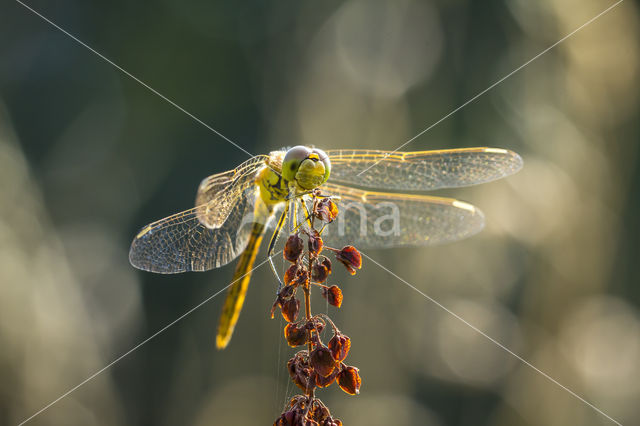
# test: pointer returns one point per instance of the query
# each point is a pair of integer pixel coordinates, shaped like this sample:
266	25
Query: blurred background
88	156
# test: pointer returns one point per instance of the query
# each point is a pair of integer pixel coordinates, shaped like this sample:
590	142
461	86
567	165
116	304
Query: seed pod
327	264
333	295
301	372
302	382
290	309
286	292
291	366
316	324
349	380
296	400
331	422
322	361
323	382
302	279
293	248
339	346
315	242
291	273
320	270
287	419
295	335
276	304
319	412
326	210
350	258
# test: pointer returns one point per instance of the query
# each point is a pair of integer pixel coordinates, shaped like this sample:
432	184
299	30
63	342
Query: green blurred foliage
88	156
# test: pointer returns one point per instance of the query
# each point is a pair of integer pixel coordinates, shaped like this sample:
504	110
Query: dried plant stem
320	364
307	290
307	310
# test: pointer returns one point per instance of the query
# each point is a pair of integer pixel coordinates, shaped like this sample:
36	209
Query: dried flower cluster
318	365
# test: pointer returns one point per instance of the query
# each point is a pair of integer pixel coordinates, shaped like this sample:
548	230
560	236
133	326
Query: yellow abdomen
273	190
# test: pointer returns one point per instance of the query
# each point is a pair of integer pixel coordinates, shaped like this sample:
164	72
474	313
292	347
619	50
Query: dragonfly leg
273	269
306	209
272	244
293	194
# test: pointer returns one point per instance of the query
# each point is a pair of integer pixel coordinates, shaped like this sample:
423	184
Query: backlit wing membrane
421	171
218	229
370	219
219	193
182	242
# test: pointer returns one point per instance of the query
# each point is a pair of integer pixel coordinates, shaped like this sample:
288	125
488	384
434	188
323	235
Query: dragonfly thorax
273	188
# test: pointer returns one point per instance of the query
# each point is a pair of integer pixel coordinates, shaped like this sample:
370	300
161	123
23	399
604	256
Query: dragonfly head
308	167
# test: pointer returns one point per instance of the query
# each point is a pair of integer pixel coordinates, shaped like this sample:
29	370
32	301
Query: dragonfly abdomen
238	290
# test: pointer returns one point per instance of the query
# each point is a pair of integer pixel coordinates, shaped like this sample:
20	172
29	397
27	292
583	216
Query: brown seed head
290	418
319	412
349	380
326	210
293	248
339	346
290	309
301	372
295	335
322	361
350	258
323	382
291	273
315	242
291	366
303	277
327	263
286	292
320	270
333	295
297	400
316	324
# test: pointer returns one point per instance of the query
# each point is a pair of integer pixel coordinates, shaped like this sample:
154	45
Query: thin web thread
163	329
493	85
133	77
262	263
527	363
287	388
278	362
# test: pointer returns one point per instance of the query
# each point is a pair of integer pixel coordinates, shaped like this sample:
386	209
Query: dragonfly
378	193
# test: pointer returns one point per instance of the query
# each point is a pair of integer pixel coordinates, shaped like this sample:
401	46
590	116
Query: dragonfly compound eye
309	168
324	158
292	160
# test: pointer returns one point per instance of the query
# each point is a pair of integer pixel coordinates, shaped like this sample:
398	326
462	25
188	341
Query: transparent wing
182	242
219	193
369	219
421	171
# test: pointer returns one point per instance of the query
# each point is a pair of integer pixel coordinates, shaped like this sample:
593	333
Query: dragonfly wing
369	219
219	193
423	170
182	242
